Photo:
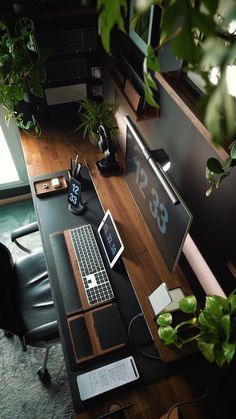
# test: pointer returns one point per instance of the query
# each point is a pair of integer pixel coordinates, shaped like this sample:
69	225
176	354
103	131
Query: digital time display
110	238
167	221
74	192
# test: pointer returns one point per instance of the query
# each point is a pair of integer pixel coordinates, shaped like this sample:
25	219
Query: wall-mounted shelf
181	94
136	100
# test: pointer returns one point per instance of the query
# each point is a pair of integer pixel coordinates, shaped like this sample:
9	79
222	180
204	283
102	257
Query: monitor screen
110	239
162	208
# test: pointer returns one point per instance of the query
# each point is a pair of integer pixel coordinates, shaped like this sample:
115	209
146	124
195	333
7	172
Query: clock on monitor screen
160	204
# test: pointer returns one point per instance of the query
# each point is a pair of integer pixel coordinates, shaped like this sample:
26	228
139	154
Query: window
12	165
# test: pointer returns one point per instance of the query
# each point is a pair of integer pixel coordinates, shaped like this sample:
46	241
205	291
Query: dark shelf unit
71	33
129	84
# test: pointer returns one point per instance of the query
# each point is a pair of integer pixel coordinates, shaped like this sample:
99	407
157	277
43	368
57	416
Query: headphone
106	145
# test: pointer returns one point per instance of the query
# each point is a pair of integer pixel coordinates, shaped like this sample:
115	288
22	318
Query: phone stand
79	210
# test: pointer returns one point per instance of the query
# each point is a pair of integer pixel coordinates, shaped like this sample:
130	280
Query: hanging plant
22	70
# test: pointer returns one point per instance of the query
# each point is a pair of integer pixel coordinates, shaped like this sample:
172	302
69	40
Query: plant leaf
207	349
214	165
188	304
213	307
224	327
219	356
149	97
110	14
202	319
164	319
152	62
229	351
167	334
232	303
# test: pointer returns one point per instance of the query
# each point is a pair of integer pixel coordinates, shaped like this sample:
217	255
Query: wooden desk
52	152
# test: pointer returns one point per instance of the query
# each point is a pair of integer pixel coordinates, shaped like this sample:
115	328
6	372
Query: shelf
181	94
134	99
35	13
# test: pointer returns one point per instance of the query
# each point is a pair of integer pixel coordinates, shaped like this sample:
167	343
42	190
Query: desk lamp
161	157
108	165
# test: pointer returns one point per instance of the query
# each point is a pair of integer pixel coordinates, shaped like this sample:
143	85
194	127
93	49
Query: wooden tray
40	190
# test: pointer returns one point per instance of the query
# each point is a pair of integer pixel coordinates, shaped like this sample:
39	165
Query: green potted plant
213	328
92	114
22	71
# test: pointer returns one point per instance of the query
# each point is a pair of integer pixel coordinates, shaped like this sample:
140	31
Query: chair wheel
44	375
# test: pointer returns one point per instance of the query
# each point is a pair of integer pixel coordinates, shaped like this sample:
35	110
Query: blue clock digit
155	206
163	220
154	203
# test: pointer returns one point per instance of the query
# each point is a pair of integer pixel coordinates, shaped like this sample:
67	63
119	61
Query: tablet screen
110	239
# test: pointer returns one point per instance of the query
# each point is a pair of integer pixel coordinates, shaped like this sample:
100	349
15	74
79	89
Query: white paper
106	378
160	298
176	295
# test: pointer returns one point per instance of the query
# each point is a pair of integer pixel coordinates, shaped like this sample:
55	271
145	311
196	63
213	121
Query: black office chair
26	306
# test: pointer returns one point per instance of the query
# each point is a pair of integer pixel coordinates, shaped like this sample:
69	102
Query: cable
198	399
132	342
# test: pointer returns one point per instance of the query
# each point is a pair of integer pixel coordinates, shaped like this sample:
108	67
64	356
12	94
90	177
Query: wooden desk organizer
96	332
42	190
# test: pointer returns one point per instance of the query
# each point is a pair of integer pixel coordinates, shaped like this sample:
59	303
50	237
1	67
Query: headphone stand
107	170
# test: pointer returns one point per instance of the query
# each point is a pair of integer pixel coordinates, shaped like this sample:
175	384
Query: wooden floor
52	152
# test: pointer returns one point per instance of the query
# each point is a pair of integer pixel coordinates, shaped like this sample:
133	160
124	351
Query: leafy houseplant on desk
22	72
92	114
214	328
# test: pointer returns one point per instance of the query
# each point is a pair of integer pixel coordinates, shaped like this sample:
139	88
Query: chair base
44	375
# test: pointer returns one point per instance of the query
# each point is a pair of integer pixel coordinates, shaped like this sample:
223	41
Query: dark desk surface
53	216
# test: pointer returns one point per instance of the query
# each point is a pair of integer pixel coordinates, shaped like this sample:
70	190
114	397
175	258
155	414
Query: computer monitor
161	206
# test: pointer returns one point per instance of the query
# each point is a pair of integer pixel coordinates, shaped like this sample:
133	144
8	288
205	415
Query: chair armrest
45	333
24	231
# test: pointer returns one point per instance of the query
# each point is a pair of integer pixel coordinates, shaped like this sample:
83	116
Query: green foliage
21	70
92	114
214	327
110	14
216	171
201	38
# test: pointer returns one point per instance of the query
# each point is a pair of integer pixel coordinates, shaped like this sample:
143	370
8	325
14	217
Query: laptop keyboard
95	279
